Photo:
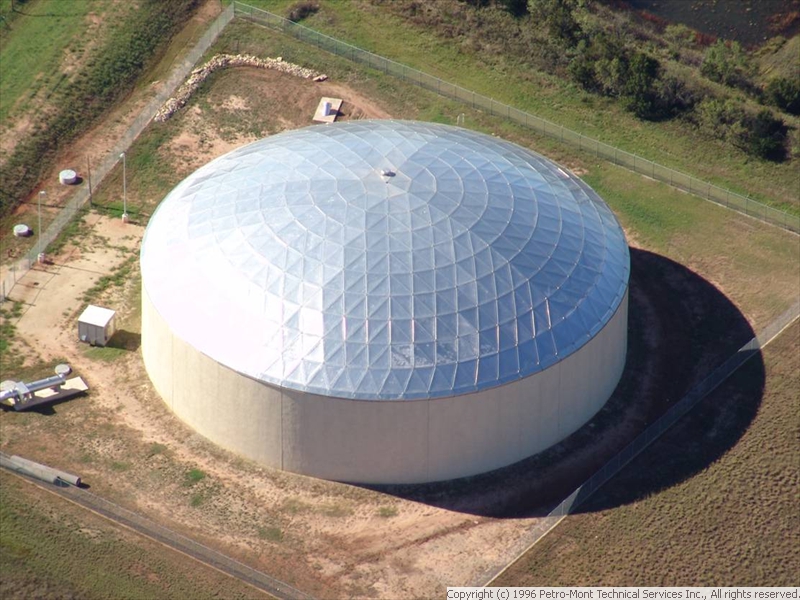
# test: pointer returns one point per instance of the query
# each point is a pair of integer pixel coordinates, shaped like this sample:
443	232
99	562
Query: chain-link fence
619	157
81	196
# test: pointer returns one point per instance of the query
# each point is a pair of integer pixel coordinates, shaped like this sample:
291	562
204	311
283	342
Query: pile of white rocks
221	61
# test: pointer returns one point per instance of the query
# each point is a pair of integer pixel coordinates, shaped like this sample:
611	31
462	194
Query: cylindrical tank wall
383	441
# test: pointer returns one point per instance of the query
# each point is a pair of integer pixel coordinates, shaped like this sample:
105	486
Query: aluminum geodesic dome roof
384	260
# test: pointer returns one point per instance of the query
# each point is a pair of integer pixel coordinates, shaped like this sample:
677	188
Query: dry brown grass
46	545
734	523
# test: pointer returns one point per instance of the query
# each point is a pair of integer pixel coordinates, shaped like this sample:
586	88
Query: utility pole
39	253
124	190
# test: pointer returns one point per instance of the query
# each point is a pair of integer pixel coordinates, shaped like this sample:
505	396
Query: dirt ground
339	534
245	104
359	541
328	539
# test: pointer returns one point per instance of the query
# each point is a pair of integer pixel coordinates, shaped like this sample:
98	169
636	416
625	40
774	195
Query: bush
606	66
673	97
679	35
784	92
763	135
640	97
719	118
301	10
727	64
559	18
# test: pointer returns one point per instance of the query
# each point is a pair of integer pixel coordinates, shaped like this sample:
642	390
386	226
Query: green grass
75	229
10	361
130	46
33	46
193	476
272	534
117	278
387	512
104	353
755	265
726	512
149	176
46	545
674	144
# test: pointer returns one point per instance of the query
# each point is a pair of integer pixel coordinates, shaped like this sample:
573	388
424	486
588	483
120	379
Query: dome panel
476	263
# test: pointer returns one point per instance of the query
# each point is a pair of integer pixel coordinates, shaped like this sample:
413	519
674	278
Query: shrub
679	34
606	66
640	97
673	97
718	118
559	18
302	10
193	476
517	8
763	135
727	63
784	92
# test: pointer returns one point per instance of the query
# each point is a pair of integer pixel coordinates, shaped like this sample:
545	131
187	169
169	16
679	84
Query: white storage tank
384	302
96	325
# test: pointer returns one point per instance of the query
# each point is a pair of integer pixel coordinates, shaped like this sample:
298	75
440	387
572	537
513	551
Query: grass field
50	548
734	523
34	45
672	143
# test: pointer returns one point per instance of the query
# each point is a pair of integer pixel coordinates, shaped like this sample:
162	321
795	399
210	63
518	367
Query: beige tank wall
382	441
355	440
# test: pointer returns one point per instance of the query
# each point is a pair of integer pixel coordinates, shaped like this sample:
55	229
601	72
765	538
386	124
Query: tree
725	63
517	8
559	18
641	75
784	92
764	136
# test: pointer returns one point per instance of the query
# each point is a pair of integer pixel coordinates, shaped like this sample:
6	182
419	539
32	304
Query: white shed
96	325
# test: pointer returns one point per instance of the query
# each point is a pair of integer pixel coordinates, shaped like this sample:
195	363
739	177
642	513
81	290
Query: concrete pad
28	287
321	117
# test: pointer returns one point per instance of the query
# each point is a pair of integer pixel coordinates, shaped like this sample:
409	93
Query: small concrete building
384	302
96	325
